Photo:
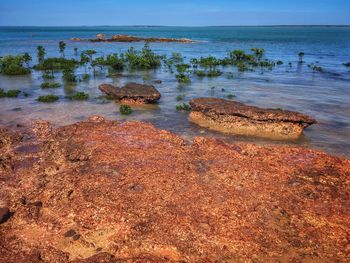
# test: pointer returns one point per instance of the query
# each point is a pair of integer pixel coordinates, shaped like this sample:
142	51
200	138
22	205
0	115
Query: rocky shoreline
127	38
105	191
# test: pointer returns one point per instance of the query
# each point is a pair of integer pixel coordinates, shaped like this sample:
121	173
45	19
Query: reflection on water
324	96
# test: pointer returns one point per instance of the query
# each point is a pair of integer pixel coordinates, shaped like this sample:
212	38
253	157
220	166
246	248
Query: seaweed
50	85
48	98
125	109
183	107
12	93
79	96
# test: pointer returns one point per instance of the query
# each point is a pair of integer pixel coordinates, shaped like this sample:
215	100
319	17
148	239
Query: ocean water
324	96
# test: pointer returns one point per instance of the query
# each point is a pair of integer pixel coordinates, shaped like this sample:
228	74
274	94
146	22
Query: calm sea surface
325	96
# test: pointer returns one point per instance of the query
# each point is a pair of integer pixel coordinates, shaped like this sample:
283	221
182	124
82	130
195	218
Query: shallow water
324	96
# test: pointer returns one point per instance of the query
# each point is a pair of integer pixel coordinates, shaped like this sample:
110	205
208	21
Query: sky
173	12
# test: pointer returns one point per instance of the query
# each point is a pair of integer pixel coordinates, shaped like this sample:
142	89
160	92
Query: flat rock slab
131	192
132	93
238	118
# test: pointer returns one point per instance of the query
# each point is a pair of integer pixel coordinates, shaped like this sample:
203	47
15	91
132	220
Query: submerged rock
132	93
145	195
238	118
109	89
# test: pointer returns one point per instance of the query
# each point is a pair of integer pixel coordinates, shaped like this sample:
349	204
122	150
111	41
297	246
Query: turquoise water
325	96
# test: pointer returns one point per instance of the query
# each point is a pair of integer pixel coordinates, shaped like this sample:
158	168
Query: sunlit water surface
324	96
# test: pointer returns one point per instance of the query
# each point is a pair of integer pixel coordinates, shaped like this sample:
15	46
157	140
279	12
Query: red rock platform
103	191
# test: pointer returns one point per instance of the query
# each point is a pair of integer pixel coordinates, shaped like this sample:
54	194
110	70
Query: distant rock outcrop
101	36
238	118
127	38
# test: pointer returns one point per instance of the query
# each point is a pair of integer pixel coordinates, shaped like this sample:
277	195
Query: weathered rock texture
102	191
132	93
127	38
238	118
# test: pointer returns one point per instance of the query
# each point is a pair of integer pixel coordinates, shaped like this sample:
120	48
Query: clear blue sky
174	12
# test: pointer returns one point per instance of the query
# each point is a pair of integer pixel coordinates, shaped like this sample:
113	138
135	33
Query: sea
323	95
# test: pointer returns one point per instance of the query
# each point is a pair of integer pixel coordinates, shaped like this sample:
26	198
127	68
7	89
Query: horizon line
277	25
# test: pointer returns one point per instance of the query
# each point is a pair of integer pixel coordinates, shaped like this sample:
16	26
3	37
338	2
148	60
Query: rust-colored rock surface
238	118
132	93
127	38
103	191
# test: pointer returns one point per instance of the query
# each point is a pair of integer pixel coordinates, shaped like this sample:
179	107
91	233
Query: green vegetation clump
266	64
208	62
183	71
14	65
14	69
201	73
214	73
181	78
62	47
41	54
183	107
177	58
146	59
316	68
47	75
242	67
12	93
125	109
68	75
182	68
50	85
259	52
112	60
180	97
86	77
239	55
2	93
231	96
48	98
79	96
27	58
210	73
56	64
